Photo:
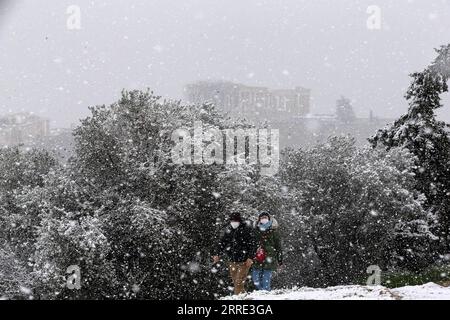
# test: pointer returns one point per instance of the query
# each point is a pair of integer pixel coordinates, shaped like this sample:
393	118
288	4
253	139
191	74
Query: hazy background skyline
322	45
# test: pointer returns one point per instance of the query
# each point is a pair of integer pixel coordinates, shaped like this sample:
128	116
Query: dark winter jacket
238	244
270	241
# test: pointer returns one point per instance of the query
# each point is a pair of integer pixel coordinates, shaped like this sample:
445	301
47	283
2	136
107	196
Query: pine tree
427	138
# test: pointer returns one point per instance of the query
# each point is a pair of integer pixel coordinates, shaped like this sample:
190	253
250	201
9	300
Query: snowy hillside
430	291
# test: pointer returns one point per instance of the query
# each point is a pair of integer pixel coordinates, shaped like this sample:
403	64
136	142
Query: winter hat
235	216
264	214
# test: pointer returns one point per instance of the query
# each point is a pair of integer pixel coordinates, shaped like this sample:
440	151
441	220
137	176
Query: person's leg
266	280
233	274
256	277
241	278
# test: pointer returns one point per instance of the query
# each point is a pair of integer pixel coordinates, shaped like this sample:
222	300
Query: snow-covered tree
21	171
138	225
15	280
351	208
427	138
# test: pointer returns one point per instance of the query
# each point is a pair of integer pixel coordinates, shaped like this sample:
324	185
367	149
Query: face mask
235	224
264	221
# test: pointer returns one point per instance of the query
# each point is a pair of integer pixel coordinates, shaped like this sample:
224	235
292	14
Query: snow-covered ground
429	291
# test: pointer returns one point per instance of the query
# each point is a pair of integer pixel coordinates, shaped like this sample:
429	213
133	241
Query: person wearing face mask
238	243
269	255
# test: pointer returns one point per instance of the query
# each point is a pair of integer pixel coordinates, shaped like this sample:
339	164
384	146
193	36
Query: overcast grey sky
324	45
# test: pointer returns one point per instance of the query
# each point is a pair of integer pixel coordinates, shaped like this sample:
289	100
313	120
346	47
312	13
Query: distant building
22	128
313	129
253	103
287	110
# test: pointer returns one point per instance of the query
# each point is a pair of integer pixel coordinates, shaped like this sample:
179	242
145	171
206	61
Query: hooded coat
270	241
